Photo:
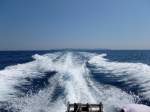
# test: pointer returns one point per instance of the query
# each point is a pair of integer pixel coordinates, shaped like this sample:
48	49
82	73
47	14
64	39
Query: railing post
101	107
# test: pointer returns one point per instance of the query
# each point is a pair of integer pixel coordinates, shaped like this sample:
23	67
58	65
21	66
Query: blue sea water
44	81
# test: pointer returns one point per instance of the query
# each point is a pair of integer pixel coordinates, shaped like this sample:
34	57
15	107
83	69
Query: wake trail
15	75
133	73
72	76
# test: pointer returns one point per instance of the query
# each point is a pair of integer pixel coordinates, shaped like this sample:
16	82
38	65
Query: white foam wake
134	73
73	77
15	75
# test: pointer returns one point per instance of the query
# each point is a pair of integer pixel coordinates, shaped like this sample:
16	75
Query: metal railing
79	107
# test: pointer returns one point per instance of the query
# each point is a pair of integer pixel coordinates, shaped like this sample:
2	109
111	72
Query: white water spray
73	77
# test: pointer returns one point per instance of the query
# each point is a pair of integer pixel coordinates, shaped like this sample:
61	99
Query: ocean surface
45	81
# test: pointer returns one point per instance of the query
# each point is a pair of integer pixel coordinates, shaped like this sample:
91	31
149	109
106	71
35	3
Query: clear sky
49	24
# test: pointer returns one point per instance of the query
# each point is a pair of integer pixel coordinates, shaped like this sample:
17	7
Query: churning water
49	80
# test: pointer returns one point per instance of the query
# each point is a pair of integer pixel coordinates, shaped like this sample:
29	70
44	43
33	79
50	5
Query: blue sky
50	24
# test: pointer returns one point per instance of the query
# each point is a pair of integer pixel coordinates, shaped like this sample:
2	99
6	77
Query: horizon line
55	49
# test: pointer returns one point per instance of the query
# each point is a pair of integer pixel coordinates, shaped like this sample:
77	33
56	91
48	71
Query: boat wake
68	78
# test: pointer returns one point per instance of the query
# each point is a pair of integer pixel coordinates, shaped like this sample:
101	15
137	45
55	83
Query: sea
46	81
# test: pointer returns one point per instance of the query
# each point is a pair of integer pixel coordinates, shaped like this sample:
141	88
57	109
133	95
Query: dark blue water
14	57
125	80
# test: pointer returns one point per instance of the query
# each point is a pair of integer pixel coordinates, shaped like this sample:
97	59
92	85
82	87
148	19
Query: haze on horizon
50	24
